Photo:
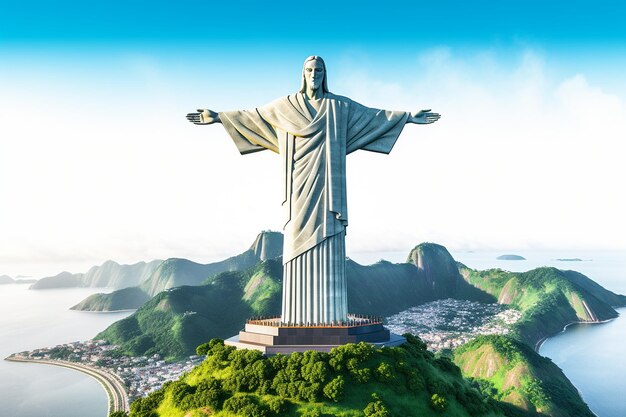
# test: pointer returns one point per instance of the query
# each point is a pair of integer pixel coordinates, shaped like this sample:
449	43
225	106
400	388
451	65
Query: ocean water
31	319
592	357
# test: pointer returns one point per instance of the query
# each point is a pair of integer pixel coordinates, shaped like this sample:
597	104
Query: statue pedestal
271	337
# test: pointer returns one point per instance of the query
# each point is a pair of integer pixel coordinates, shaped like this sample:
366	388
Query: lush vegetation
175	321
124	299
356	379
176	272
351	380
510	371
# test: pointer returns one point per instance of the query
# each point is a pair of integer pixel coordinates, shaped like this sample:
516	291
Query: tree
315	372
277	405
384	372
438	403
203	349
180	389
244	405
376	408
334	389
142	406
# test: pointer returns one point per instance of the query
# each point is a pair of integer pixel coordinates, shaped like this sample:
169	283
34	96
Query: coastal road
112	384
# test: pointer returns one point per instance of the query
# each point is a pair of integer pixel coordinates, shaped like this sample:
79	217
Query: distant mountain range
175	272
5	279
110	275
548	298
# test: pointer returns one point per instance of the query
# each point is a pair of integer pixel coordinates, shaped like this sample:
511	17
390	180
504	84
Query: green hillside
175	321
429	274
124	299
512	372
352	380
520	382
176	272
548	298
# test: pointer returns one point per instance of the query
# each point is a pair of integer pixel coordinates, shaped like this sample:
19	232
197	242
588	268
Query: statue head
314	70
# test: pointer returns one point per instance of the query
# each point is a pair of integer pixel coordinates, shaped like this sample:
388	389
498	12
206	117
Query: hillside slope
124	299
232	297
512	372
429	274
175	321
350	381
548	298
176	272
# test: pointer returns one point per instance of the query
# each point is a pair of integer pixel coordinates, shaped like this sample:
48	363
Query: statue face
314	74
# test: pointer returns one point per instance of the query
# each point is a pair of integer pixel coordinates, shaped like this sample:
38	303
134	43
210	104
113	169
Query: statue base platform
270	337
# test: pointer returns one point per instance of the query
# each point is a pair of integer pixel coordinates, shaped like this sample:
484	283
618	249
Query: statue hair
324	81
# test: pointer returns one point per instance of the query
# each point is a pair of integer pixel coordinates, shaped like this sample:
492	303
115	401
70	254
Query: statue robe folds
313	149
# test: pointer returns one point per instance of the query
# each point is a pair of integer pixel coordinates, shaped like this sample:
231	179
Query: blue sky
340	23
97	161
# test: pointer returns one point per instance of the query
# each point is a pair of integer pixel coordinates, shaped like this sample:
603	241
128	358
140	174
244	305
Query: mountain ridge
108	275
175	272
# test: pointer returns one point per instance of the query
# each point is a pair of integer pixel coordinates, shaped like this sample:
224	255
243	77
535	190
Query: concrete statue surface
313	130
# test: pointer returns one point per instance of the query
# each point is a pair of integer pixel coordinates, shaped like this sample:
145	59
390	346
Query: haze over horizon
97	161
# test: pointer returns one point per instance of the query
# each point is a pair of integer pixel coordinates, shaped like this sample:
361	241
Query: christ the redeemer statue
313	130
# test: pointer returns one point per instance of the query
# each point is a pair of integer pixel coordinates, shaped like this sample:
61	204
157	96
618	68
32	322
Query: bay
32	319
592	357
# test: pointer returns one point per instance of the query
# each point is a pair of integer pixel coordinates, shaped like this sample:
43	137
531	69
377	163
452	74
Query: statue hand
204	117
423	117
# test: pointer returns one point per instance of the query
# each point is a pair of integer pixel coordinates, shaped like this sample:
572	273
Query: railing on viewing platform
353	320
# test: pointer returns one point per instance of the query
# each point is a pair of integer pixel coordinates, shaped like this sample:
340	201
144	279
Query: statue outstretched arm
423	117
204	117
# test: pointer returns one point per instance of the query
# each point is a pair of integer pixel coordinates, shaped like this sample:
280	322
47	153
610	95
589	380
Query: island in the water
569	259
510	258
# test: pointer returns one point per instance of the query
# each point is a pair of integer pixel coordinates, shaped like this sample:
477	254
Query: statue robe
313	149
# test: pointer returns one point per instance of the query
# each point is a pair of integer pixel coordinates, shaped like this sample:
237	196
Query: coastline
127	310
541	341
112	384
